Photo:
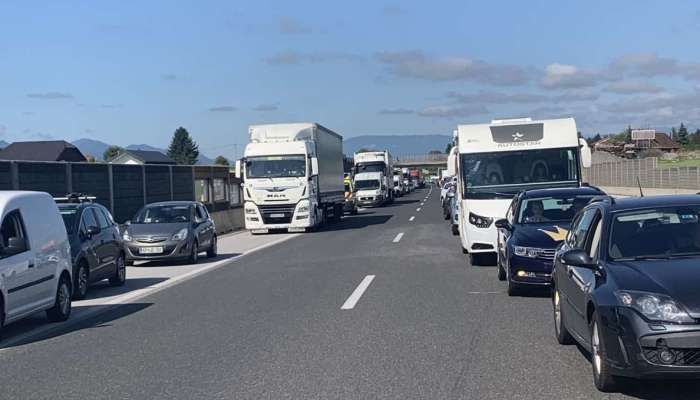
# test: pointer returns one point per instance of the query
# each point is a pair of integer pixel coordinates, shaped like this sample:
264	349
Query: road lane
270	326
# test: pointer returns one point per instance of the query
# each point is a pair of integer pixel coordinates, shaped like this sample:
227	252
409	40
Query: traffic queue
621	272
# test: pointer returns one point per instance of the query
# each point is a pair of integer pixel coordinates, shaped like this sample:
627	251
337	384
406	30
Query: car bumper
349	206
170	250
480	240
634	346
530	271
370	201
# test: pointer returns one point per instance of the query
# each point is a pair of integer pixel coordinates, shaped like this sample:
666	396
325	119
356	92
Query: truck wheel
338	212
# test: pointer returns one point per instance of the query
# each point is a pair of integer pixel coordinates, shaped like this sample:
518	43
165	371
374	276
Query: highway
383	305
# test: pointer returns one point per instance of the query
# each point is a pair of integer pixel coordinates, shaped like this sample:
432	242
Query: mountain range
397	144
97	148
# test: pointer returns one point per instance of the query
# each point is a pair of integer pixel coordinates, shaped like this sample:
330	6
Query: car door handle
30	265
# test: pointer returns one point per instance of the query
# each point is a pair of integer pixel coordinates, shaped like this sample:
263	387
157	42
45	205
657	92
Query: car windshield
163	215
276	166
656	233
69	215
512	171
552	208
366	184
370	167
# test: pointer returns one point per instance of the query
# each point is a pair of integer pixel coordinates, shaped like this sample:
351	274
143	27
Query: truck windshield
507	172
370	167
368	184
276	166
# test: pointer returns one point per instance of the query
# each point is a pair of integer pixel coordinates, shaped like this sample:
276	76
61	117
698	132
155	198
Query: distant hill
97	148
3	144
397	144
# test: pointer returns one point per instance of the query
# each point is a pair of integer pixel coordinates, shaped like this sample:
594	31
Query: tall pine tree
182	148
682	135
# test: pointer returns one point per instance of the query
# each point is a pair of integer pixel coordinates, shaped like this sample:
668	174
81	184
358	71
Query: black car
171	230
536	222
96	246
626	287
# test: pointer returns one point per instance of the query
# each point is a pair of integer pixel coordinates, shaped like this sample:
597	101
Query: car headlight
479	221
126	236
180	235
523	251
250	210
303	207
656	307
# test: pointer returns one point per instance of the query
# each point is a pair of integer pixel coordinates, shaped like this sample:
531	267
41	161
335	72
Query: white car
35	259
443	191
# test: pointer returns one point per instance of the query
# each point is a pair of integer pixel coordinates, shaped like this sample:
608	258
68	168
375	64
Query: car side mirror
127	223
450	194
93	230
16	245
503	224
578	258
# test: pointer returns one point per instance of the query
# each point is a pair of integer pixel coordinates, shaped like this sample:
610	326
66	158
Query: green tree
111	152
628	134
434	152
221	160
449	147
674	134
682	135
182	148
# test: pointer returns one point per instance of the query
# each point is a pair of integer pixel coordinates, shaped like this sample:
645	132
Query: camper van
497	160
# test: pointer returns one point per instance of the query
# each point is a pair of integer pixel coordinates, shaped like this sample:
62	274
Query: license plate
150	250
276	215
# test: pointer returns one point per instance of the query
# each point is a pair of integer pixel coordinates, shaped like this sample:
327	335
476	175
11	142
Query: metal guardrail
420	158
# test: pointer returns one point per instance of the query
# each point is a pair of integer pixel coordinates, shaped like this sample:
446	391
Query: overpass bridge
423	161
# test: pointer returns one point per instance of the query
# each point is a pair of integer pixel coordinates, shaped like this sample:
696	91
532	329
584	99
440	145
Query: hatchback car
625	287
536	222
172	230
97	251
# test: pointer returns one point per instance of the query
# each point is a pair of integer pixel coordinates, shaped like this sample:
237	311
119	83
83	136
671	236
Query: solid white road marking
483	292
355	296
412	218
398	237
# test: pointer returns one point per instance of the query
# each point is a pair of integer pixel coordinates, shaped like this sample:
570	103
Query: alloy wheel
595	349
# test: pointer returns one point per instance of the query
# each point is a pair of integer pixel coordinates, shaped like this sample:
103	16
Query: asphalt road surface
379	306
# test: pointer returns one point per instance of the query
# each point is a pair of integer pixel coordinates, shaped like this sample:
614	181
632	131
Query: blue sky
132	71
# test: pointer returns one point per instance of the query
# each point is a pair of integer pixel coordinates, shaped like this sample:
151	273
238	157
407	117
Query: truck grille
277	213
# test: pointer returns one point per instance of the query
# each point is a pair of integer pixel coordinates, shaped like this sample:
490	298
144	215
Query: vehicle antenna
641	194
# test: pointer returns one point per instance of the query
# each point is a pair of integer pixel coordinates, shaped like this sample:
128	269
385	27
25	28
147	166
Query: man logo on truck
517	136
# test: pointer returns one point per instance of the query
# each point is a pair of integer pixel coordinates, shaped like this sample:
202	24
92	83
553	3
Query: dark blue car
536	222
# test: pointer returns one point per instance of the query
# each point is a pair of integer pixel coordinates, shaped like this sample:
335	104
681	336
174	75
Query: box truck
374	178
293	177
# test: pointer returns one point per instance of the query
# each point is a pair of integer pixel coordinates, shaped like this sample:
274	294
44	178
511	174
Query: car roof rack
598	199
75	198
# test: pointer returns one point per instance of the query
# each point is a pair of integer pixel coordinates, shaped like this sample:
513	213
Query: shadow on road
356	222
103	289
47	330
203	259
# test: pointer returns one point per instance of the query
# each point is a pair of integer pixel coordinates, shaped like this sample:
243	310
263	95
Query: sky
131	72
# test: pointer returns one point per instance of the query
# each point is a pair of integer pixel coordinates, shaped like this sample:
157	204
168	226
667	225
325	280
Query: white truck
293	177
499	159
371	166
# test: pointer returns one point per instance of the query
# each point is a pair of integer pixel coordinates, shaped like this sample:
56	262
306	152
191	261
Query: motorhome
499	159
367	165
293	177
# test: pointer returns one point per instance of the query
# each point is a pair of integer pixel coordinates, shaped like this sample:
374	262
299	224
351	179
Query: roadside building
140	157
47	150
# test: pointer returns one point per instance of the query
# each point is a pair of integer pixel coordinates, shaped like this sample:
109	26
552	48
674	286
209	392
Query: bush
651	153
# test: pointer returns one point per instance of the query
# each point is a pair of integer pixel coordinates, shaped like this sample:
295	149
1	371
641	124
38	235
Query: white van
35	262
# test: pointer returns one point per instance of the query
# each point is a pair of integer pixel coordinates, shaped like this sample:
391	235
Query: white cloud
491	97
291	57
565	76
418	65
632	87
452	110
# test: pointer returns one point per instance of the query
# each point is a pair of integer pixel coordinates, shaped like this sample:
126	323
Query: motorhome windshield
370	167
276	166
507	172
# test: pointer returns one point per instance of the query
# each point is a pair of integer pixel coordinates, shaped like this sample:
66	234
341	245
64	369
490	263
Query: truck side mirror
585	153
314	166
238	169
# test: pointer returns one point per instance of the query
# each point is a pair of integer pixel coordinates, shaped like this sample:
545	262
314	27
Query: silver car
177	230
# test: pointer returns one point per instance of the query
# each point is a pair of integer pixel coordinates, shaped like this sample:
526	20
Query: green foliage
449	147
682	136
434	152
221	160
182	148
111	152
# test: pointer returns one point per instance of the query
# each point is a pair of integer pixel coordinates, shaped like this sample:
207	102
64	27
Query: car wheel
603	379
2	316
354	210
62	305
513	289
455	229
464	251
501	270
563	335
194	256
213	249
81	282
119	277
